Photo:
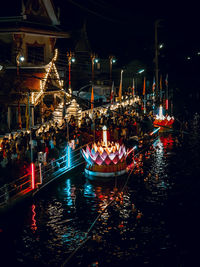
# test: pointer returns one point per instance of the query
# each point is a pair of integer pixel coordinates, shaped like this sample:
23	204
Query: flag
154	85
144	86
133	88
92	99
166	81
160	82
112	94
19	117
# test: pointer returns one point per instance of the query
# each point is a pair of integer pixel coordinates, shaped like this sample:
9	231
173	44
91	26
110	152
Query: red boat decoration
165	122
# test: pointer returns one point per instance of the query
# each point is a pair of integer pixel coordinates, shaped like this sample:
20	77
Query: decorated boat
164	122
105	159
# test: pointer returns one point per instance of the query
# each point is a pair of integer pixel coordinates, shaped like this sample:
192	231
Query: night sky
126	30
123	26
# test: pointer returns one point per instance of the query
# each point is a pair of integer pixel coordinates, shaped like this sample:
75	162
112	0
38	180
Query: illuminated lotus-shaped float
164	122
105	159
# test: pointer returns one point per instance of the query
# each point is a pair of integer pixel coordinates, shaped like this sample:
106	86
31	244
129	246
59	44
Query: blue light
68	192
68	157
88	190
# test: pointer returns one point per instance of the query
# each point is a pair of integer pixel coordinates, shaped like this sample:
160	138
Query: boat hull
101	175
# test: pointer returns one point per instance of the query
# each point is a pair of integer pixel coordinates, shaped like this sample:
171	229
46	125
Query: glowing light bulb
105	135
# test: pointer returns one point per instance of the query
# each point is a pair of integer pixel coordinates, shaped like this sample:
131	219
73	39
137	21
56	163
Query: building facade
28	73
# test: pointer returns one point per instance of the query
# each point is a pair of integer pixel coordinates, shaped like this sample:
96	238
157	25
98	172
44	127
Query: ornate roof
31	16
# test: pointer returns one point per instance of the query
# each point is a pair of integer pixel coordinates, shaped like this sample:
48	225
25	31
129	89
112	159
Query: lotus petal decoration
107	160
99	160
101	155
104	155
112	156
116	159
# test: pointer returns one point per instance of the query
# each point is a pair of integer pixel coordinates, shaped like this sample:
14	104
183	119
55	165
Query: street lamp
141	71
19	60
94	60
112	61
120	86
71	59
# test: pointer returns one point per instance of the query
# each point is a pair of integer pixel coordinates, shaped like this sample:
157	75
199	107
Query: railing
13	190
43	175
56	168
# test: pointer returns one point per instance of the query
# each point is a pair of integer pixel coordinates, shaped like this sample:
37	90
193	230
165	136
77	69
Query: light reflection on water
134	228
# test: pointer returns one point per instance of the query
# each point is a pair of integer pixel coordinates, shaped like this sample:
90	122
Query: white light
188	58
96	60
21	58
140	71
161	46
73	60
105	135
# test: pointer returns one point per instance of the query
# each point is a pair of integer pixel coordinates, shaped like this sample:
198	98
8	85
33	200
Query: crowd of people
15	152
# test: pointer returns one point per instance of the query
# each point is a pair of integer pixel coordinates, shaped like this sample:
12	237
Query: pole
31	141
172	101
111	75
111	61
69	75
31	148
94	125
67	131
69	56
166	93
156	57
92	58
120	87
144	95
161	100
133	88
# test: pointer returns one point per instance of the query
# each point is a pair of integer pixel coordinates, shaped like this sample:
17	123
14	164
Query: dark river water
77	222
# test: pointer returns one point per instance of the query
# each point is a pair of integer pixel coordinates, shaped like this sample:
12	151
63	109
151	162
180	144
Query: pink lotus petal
112	156
107	161
104	155
99	160
116	159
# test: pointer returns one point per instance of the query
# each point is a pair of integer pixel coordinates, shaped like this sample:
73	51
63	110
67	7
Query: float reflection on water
134	226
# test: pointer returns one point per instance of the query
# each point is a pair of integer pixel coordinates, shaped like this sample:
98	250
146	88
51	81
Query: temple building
30	84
